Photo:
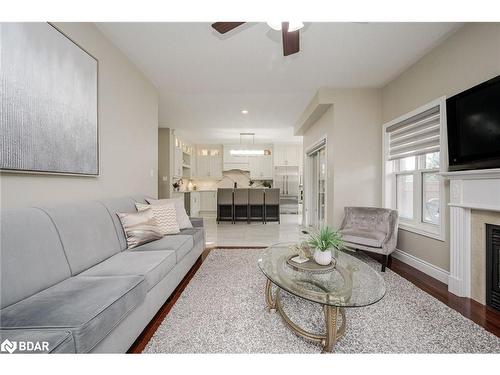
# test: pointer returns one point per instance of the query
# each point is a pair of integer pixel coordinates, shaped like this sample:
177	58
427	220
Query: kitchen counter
194	191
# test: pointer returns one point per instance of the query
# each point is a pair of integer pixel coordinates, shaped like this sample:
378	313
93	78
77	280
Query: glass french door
318	185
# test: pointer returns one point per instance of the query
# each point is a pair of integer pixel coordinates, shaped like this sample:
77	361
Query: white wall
128	133
467	58
352	127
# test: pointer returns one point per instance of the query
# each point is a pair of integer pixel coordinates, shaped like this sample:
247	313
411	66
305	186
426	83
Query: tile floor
253	234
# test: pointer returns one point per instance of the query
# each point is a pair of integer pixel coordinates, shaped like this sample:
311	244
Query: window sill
422	230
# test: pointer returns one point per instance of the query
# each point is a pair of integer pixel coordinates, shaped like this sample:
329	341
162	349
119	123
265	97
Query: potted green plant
323	241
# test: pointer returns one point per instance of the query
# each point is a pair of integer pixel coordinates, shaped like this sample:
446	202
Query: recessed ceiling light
244	111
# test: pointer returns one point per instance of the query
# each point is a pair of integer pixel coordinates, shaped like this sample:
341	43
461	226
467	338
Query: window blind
416	135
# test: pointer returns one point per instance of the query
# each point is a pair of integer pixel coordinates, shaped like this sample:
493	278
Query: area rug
223	310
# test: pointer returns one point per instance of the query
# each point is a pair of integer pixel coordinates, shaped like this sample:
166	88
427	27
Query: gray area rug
222	310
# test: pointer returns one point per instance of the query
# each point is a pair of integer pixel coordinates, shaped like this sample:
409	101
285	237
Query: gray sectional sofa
68	279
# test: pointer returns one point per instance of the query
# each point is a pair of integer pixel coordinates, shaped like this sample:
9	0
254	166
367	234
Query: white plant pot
323	258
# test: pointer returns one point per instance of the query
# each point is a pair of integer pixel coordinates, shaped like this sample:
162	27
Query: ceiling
205	79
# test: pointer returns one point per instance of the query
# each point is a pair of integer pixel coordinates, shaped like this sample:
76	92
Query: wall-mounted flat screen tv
473	119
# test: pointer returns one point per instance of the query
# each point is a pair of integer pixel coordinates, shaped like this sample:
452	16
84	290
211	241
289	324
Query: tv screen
473	118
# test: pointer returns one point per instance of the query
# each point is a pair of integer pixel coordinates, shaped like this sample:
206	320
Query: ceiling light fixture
244	111
292	25
246	152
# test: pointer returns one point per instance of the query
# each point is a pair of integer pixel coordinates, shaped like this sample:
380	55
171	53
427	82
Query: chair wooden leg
385	260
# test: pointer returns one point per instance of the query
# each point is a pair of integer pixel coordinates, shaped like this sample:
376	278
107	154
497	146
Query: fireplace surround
469	190
493	266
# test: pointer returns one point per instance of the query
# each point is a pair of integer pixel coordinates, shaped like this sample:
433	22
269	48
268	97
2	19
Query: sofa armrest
390	242
197	222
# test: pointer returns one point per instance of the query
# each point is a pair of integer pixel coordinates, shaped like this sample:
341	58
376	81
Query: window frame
391	169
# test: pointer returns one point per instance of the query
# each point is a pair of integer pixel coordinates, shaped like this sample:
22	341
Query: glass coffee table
352	283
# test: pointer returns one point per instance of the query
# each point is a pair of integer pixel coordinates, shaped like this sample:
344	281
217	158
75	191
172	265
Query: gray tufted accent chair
371	229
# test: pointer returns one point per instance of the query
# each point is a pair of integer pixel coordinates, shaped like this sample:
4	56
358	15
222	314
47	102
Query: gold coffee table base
333	331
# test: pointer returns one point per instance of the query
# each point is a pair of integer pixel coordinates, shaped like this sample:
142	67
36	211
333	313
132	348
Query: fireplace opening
493	266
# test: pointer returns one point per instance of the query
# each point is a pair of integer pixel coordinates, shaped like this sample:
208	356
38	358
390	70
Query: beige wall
352	127
467	58
164	158
128	132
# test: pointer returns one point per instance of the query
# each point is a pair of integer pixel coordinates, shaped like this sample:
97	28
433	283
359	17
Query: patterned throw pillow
182	216
165	216
139	228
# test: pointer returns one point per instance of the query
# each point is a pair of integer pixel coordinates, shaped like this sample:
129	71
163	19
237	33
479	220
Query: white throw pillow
165	217
182	217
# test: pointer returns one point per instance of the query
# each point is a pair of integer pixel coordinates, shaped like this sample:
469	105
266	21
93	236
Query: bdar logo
8	346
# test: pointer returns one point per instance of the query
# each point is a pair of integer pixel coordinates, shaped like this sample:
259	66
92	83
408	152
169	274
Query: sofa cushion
90	307
369	238
31	254
119	205
58	341
164	215
140	227
181	244
153	265
87	233
180	210
367	218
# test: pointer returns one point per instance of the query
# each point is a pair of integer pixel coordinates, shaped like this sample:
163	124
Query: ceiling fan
289	33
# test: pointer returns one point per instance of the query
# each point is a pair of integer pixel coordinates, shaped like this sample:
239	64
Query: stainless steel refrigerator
287	179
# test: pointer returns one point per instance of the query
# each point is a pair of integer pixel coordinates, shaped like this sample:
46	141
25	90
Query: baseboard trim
421	265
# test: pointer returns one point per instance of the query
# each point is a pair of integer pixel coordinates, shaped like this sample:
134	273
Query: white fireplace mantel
472	189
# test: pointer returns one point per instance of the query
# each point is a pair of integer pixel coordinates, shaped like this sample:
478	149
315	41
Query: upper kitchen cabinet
183	159
287	154
261	167
209	162
177	172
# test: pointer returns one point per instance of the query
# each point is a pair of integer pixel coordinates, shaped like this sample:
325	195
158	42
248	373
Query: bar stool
256	205
241	204
225	207
272	205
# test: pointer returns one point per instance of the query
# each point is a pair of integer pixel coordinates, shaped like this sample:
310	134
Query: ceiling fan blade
290	40
224	27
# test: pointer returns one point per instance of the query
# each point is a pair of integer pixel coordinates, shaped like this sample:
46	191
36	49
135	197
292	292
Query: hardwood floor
482	315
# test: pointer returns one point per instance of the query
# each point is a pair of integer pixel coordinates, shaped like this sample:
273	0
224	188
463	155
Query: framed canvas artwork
48	104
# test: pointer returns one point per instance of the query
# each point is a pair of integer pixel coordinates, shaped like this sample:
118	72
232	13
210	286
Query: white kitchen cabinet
177	162
177	195
209	166
261	167
194	204
203	166
208	201
292	155
215	166
287	154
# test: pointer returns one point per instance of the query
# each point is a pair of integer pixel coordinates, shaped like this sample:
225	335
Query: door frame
308	213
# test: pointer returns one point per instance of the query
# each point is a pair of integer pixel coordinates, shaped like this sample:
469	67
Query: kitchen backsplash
242	178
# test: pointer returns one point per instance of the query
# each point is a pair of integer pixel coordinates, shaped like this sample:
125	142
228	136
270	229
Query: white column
460	242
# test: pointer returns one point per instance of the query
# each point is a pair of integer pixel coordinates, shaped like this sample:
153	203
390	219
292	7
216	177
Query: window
412	183
430	198
404	199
